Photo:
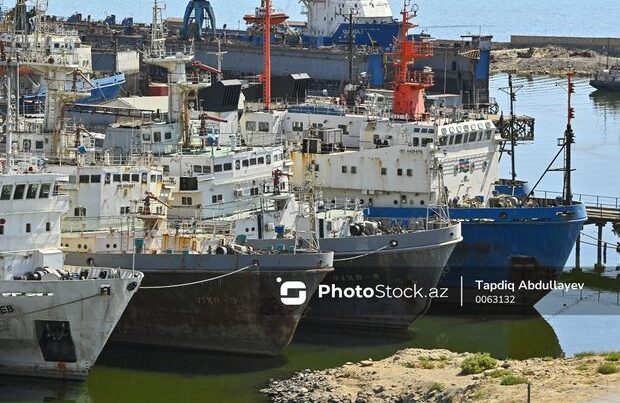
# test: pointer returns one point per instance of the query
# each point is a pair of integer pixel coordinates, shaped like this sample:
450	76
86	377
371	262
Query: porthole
396	202
503	215
107	246
421	202
114	246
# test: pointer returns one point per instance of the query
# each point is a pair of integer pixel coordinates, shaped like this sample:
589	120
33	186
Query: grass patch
582	367
478	363
499	373
585	354
607	368
513	380
436	386
613	356
425	363
481	394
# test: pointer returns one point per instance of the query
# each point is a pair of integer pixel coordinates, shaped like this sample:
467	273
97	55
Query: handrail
588	199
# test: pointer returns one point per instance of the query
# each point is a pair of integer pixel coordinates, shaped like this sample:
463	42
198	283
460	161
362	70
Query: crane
202	14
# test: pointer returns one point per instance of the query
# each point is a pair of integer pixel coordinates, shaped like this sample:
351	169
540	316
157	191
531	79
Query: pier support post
578	253
599	247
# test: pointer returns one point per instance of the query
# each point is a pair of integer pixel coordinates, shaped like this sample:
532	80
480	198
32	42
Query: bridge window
95	179
135	177
146	136
458	139
442	141
38	145
252	161
451	140
19	192
353	169
489	132
250	126
298	126
399	172
157	137
261	160
217	168
409	172
116	177
263	126
426	141
416	141
7	190
245	163
206	169
344	128
126	177
228	166
383	171
44	193
472	136
198	169
343	169
32	191
84	178
168	136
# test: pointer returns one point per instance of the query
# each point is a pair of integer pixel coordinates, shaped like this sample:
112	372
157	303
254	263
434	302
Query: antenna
512	93
568	140
349	18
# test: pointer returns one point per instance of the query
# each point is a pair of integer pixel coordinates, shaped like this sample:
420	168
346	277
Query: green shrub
513	380
582	367
499	373
585	354
613	356
478	363
436	386
607	368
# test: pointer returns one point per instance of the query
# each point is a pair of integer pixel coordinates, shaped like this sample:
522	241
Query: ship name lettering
6	309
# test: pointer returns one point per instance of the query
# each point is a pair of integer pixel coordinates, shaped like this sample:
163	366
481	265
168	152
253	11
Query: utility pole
512	93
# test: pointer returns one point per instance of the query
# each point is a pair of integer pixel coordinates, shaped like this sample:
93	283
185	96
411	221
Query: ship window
79	211
466	128
153	178
95	179
206	169
399	172
473	127
344	128
168	136
409	172
252	161
32	191
344	169
157	137
228	166
84	178
472	136
116	177
416	141
458	139
6	192
459	129
245	163
28	227
19	192
383	171
444	131
216	198
442	141
426	141
38	145
298	126
451	141
198	169
135	177
416	130
1	229
48	226
261	160
353	169
480	126
480	133
487	125
489	132
424	130
125	177
431	130
188	183
465	138
250	126
217	168
263	126
146	136
44	193
166	169
452	130
187	201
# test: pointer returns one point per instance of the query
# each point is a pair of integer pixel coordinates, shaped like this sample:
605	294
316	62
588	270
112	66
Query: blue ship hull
379	34
504	245
104	89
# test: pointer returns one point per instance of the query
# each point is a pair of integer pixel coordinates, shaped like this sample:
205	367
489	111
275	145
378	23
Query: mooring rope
47	308
155	287
364	255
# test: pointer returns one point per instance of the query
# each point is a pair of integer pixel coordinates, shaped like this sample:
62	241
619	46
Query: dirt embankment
441	376
550	60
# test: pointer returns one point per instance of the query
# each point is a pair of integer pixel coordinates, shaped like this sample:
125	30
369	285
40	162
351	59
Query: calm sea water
442	18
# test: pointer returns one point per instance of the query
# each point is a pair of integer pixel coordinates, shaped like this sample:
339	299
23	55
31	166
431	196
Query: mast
409	87
266	77
569	139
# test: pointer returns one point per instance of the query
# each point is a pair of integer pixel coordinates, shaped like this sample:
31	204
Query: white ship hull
58	328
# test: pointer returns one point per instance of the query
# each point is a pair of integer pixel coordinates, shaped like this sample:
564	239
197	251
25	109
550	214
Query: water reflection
606	100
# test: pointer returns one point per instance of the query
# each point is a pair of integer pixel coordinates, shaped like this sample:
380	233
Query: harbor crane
203	15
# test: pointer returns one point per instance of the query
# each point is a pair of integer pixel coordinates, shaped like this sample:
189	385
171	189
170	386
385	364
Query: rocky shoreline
442	376
549	60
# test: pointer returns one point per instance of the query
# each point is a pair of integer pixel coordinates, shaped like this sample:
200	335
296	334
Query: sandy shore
550	60
416	375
